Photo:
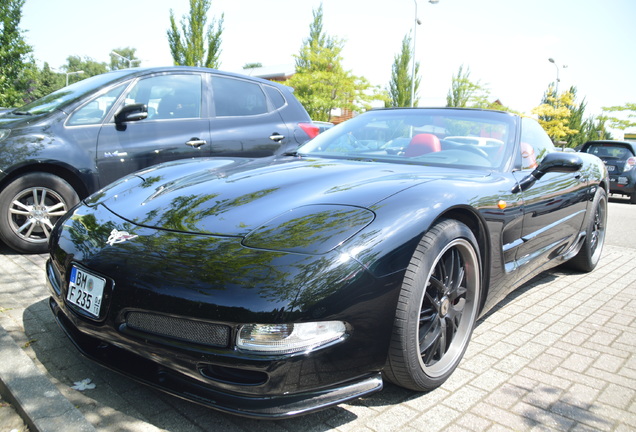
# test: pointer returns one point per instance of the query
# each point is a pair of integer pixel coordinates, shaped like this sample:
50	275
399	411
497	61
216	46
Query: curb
36	399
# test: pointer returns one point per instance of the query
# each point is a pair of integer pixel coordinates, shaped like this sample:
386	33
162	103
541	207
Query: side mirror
552	162
128	113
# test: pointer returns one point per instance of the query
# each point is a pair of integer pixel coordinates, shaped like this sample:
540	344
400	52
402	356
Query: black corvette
275	287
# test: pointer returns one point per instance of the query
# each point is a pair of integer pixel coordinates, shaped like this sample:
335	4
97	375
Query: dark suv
620	159
76	140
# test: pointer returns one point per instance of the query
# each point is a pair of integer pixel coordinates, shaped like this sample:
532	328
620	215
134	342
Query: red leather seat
421	144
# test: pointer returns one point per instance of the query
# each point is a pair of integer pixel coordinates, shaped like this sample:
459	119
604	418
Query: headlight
4	133
312	229
288	338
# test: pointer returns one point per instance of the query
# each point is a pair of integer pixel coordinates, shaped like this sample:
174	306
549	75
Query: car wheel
29	207
632	198
437	308
590	253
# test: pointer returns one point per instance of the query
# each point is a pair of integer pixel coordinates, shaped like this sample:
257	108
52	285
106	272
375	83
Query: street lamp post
68	74
551	60
415	24
130	61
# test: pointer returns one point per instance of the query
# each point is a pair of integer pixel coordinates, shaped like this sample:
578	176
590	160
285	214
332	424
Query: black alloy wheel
437	308
590	253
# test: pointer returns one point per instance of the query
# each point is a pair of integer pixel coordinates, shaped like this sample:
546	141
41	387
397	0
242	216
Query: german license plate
85	290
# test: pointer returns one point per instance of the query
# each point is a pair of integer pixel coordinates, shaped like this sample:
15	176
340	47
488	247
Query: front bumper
177	384
161	273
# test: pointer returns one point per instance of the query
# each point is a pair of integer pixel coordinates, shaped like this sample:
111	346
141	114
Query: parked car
620	159
76	140
278	286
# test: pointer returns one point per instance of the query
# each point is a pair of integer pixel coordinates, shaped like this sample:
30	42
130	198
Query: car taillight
310	129
629	164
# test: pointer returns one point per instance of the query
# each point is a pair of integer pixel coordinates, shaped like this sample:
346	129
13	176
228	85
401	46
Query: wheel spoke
43	197
35	196
52	209
429	343
28	225
17	203
46	228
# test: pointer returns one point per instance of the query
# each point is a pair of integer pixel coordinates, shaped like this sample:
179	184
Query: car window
608	150
535	144
277	99
175	96
461	138
95	111
234	97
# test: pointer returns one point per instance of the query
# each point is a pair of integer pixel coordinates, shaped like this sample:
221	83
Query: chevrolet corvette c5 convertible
278	286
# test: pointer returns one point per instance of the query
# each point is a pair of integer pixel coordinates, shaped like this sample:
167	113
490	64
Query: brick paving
557	354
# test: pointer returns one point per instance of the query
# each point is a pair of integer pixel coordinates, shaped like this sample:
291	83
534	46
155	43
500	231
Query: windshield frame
416	119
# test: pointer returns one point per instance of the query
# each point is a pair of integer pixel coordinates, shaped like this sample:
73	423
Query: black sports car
274	287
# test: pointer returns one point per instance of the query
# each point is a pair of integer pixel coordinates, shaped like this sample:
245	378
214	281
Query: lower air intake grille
178	328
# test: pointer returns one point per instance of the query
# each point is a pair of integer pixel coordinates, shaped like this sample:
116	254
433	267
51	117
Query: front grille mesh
217	335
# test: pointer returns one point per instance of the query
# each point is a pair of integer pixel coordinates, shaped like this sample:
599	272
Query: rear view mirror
552	162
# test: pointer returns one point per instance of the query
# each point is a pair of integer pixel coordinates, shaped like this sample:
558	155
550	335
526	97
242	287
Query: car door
554	207
244	122
176	127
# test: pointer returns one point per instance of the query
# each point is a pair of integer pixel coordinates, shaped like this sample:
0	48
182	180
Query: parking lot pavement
558	354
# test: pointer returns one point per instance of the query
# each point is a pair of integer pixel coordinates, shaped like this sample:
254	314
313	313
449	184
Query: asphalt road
621	230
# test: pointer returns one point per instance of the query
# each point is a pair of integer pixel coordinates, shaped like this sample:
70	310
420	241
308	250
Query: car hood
8	120
235	196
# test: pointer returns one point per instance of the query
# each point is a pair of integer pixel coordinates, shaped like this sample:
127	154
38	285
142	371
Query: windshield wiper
21	113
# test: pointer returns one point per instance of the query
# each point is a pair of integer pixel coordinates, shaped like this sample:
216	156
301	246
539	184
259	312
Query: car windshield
461	138
68	94
609	150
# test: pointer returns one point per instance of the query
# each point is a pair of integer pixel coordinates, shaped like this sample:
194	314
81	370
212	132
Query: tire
632	198
29	207
590	253
437	308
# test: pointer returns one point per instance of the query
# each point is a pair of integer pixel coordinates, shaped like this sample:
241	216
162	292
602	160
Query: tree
320	82
401	78
195	45
554	114
252	65
466	93
123	58
628	120
14	54
41	82
86	65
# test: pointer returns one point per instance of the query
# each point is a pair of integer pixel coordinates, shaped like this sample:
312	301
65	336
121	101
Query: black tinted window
233	97
95	111
603	150
169	96
278	100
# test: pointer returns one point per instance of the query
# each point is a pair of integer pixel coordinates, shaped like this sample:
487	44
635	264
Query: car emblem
117	237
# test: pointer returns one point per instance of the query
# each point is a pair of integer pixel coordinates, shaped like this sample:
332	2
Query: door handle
277	137
196	142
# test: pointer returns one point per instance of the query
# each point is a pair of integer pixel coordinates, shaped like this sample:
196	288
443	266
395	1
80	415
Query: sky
505	44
